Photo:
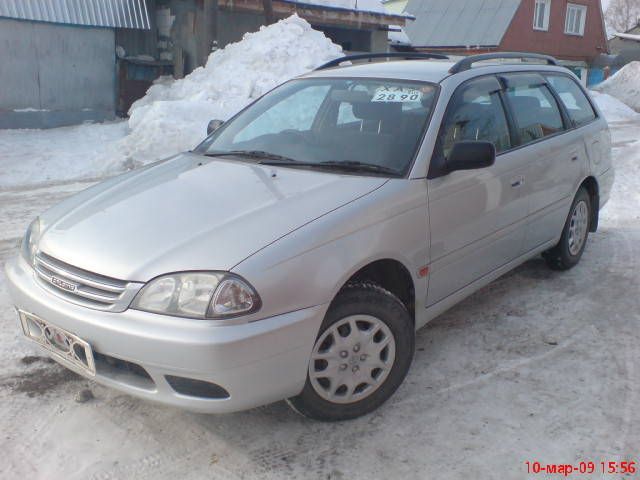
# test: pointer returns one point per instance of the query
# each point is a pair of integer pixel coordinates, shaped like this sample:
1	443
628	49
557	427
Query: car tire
567	253
364	349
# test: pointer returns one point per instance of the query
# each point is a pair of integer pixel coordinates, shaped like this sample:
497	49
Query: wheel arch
390	274
590	184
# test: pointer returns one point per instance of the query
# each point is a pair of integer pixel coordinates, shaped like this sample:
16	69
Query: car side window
535	111
475	113
575	101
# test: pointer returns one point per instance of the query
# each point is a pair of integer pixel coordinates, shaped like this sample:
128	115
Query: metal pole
269	16
210	28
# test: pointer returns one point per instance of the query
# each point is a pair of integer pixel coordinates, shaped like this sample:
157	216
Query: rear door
477	217
555	155
581	114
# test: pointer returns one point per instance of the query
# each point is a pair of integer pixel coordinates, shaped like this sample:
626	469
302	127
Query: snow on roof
397	36
627	36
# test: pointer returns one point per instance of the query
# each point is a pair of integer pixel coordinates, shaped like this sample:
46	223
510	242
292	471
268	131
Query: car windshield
362	125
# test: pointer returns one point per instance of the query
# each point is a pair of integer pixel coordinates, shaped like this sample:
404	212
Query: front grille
83	287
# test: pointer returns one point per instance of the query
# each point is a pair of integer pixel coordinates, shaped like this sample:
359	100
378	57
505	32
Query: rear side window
535	111
576	102
475	113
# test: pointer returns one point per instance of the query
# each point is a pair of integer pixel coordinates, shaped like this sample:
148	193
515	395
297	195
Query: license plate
67	348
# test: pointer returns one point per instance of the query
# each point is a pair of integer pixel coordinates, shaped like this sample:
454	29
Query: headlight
30	241
198	295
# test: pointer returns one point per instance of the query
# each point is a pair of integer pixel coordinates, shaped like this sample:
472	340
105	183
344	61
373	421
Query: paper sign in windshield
397	94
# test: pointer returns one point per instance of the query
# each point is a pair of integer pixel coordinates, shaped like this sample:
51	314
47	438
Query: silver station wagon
295	252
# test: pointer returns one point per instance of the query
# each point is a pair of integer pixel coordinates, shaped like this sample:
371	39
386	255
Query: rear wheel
360	357
567	253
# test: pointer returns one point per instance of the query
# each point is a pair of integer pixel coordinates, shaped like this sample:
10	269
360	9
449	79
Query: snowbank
624	85
173	115
613	109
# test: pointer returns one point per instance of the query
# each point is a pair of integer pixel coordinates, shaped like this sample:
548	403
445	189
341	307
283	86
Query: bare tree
268	12
622	15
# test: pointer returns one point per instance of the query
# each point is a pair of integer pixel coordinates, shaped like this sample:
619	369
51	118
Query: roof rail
369	56
466	63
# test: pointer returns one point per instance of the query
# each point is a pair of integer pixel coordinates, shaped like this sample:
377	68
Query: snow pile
173	115
624	85
613	109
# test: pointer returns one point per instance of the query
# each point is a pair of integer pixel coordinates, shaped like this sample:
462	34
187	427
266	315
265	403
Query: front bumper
256	363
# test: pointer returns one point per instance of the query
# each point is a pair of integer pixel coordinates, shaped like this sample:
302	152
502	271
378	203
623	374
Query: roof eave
324	14
456	47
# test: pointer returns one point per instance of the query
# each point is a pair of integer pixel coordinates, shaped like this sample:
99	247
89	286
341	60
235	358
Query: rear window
575	101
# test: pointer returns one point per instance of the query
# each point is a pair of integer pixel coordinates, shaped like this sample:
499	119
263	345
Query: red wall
522	37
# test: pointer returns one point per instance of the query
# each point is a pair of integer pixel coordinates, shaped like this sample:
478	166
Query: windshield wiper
348	166
357	166
259	154
267	158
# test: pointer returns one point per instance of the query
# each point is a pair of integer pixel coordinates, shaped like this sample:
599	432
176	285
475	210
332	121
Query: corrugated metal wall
53	75
95	13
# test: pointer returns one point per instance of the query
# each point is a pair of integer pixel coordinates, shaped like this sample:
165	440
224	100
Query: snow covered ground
538	366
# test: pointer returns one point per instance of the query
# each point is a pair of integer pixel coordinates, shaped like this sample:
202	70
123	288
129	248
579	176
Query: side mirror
213	126
471	156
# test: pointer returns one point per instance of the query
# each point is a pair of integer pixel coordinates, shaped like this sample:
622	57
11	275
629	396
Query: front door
477	217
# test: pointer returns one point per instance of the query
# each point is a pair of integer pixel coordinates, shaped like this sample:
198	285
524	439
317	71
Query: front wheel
360	357
567	253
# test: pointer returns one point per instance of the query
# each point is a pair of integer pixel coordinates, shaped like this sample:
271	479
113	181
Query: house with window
571	30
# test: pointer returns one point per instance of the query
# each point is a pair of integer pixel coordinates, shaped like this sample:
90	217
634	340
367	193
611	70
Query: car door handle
517	182
574	158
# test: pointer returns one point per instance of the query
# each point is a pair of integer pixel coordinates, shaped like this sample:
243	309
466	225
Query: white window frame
546	4
576	19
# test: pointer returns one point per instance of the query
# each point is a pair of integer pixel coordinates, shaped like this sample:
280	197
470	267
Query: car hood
190	213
